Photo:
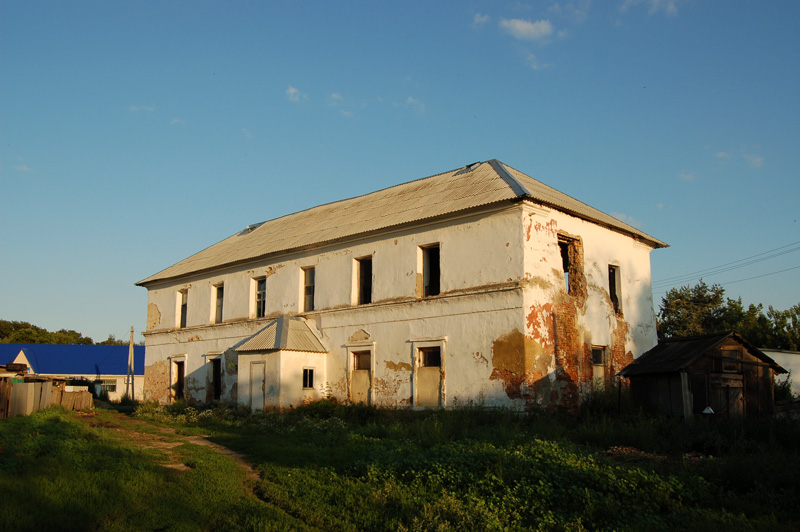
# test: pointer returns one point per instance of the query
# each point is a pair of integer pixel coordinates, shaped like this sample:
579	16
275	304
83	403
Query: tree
690	311
703	309
22	332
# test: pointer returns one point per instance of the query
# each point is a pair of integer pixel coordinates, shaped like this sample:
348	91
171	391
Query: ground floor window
308	378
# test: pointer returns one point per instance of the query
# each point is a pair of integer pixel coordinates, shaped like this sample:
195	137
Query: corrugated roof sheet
74	359
288	333
674	354
439	195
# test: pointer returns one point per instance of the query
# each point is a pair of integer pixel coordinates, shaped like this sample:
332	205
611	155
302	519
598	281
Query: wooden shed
720	374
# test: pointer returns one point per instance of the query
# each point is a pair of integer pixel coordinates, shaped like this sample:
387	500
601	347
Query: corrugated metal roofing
74	359
286	333
439	195
674	354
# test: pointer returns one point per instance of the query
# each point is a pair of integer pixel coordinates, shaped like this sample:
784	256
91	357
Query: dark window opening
364	280
361	360
430	357
564	246
216	378
308	378
308	289
598	357
431	271
614	290
184	307
218	310
179	380
261	297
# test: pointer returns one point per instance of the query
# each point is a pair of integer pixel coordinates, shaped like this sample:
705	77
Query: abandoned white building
478	285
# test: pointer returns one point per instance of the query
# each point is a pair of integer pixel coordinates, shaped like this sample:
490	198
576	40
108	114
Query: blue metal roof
78	360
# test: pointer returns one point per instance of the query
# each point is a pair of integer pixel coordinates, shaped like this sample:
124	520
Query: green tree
691	310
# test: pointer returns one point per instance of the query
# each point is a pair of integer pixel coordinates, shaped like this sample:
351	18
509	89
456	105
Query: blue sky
135	134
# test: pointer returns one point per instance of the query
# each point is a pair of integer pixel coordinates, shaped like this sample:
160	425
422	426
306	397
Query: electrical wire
741	263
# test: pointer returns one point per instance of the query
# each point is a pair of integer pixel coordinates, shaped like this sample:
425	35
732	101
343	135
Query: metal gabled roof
76	359
675	354
287	333
459	190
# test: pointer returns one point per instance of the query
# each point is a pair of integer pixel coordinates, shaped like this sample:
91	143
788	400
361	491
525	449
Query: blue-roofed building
104	365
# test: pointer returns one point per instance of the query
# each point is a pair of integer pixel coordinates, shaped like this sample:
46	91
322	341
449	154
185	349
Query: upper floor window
183	307
220	297
615	288
308	378
308	289
431	271
261	297
364	280
571	262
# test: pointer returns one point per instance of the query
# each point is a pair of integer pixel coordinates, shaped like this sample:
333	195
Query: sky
135	133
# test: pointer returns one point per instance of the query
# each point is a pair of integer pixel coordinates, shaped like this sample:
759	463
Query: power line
662	291
747	261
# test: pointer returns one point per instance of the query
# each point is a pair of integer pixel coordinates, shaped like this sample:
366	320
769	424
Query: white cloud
140	108
295	95
413	103
660	206
627	219
480	20
668	7
176	121
348	114
722	154
336	97
246	133
686	176
23	168
527	30
533	62
755	161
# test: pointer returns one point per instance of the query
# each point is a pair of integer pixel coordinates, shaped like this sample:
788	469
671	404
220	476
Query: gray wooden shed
720	374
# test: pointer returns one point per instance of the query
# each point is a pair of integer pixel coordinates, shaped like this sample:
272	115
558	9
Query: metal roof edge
512	182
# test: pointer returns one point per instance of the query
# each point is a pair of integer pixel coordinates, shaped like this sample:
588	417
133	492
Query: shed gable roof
285	333
459	190
675	354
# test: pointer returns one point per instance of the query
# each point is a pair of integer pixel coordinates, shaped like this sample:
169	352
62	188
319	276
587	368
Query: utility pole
129	384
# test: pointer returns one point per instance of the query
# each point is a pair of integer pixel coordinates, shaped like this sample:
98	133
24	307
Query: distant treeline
22	332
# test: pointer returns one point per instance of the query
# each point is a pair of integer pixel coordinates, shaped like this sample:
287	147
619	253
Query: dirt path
148	436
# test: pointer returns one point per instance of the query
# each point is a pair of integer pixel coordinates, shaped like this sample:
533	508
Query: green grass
329	467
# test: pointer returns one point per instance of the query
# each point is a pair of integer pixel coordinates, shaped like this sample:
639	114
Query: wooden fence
23	398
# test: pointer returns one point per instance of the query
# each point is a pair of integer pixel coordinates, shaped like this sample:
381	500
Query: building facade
477	286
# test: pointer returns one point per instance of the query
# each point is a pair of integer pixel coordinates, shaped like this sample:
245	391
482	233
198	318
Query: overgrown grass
331	467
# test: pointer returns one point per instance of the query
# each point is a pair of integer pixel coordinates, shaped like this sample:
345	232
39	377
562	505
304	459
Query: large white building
478	285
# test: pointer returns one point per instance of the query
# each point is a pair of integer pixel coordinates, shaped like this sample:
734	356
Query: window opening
179	379
308	289
308	378
364	280
218	308
614	290
361	360
216	378
564	246
431	271
261	297
184	307
430	357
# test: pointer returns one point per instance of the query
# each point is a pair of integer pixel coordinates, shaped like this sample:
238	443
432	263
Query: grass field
330	467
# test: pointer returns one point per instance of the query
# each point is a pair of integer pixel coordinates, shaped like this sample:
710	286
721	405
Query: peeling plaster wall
565	326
